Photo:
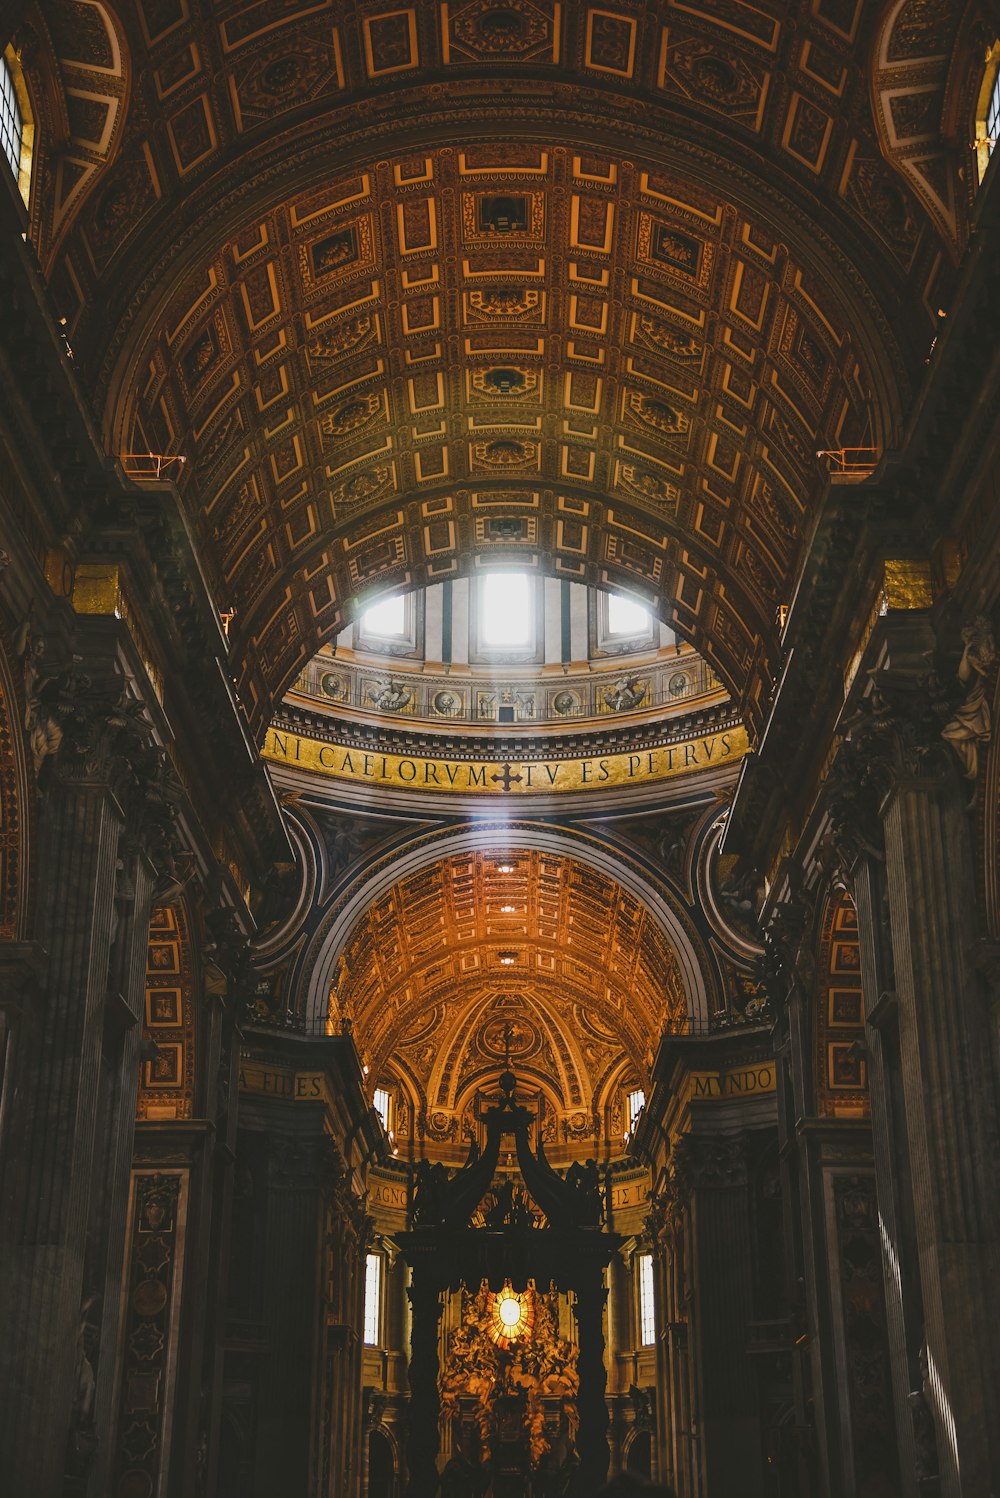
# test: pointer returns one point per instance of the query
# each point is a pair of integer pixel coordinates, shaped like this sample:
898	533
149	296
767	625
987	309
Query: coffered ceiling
479	940
417	288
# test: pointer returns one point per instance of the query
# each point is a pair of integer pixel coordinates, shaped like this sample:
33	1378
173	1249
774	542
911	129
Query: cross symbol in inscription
506	779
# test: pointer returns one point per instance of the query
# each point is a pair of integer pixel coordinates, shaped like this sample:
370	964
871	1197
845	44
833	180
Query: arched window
373	1300
988	110
635	1101
16	125
993	114
382	1103
646	1300
11	123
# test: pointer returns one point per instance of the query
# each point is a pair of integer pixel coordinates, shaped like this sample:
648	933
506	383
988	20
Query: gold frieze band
482	777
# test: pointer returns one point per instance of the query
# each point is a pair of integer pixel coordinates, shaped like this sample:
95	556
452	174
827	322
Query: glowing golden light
509	1311
512	1314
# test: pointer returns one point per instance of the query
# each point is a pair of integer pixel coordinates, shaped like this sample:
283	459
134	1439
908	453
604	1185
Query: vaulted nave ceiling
478	939
415	288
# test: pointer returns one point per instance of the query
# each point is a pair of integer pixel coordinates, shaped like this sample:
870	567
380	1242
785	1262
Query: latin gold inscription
487	777
298	1086
744	1082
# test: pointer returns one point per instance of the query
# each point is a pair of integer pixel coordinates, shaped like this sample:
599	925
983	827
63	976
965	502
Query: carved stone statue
586	1182
42	716
428	1193
972	724
82	1445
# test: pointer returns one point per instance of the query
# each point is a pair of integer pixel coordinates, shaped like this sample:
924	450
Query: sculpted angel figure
625	694
972	723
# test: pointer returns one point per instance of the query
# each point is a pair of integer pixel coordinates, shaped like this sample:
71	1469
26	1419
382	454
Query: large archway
318	969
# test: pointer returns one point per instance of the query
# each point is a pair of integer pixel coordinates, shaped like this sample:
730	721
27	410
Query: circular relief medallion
496	1033
149	1297
678	683
419	1026
332	686
447	704
565	703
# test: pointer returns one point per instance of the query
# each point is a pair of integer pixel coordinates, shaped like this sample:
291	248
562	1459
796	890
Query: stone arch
921	53
293	573
320	960
77	67
638	1453
381	1465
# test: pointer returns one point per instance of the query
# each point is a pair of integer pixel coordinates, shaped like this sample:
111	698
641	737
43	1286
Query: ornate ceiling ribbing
584	287
448	950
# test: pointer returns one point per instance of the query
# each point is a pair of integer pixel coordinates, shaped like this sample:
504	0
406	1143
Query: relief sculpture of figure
625	694
391	696
972	723
41	720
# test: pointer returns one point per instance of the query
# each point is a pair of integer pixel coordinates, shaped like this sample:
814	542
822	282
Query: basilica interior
499	813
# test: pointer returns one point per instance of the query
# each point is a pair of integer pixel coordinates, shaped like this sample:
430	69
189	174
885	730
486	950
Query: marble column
22	966
728	1423
63	1194
949	1102
424	1436
592	1436
951	1122
289	1308
894	1186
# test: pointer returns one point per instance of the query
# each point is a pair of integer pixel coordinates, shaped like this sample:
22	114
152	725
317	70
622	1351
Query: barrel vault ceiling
412	288
438	965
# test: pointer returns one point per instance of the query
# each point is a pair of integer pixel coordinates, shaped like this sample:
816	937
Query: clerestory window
373	1299
993	115
647	1306
988	110
386	619
381	1103
11	119
505	617
626	616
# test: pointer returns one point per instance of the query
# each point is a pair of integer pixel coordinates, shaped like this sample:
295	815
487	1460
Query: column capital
85	727
423	1293
893	736
666	1213
228	960
710	1161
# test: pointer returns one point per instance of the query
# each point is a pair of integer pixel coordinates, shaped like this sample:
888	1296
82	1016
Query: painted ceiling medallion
504	1037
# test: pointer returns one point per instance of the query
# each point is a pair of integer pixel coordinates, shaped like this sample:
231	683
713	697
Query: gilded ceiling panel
449	956
378	341
368	269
